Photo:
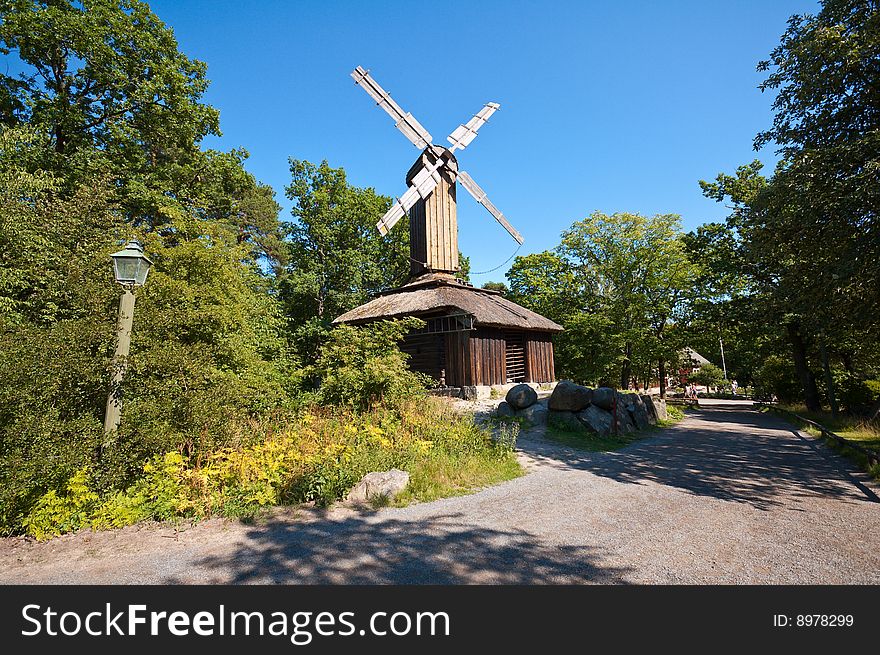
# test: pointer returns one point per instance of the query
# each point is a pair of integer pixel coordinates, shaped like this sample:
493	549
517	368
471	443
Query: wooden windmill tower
472	338
430	197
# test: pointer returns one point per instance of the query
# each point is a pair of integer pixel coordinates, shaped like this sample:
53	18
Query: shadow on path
380	549
726	452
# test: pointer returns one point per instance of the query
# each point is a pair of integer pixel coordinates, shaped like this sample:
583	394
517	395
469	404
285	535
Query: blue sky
611	106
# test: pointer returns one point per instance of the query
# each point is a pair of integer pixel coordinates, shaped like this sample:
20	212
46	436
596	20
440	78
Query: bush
776	377
855	394
362	367
317	457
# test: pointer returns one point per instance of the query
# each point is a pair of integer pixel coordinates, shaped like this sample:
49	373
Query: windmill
430	196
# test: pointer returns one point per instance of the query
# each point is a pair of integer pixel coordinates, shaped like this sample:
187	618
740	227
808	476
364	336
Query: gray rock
535	414
636	408
648	402
569	397
504	409
566	421
521	396
625	421
660	407
596	420
469	393
379	484
604	397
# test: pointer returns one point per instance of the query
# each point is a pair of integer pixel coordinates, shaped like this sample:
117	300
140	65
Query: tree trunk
661	371
801	366
829	379
625	371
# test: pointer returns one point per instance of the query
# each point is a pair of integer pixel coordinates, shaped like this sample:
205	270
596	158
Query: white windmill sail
463	134
428	177
480	196
403	121
421	186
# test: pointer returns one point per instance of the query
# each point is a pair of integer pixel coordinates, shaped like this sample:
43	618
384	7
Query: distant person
734	386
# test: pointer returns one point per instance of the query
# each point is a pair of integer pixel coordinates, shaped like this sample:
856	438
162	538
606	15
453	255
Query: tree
103	74
500	287
640	273
616	283
99	142
808	236
708	375
337	258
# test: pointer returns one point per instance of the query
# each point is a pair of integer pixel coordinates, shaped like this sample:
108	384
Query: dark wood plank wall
427	353
478	357
458	356
539	357
487	357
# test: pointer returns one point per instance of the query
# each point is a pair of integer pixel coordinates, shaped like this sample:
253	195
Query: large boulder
504	409
625	421
604	397
566	421
521	396
660	408
649	407
535	414
569	397
379	485
596	420
636	407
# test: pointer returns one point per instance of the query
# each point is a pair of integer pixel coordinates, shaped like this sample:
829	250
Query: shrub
362	367
777	377
316	457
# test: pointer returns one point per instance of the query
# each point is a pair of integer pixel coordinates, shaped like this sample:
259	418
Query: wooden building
472	337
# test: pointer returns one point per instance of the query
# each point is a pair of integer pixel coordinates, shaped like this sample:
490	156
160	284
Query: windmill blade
464	134
422	186
480	196
403	121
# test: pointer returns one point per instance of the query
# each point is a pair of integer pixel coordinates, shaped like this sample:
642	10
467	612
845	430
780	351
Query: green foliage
802	243
708	375
316	458
337	258
98	144
776	377
496	286
362	367
464	271
104	74
54	514
674	413
615	283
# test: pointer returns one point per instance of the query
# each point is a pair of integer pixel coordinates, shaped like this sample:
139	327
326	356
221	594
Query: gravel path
728	495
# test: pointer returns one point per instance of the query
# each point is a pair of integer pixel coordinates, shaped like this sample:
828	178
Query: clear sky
611	106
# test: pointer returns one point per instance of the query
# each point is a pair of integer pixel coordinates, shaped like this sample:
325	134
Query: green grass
442	477
316	456
591	442
852	428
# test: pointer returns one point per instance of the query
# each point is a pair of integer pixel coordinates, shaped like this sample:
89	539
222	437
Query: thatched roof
431	293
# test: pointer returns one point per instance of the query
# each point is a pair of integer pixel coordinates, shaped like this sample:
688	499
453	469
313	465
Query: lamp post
130	268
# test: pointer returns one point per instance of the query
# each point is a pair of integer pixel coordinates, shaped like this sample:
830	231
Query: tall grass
315	456
852	428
